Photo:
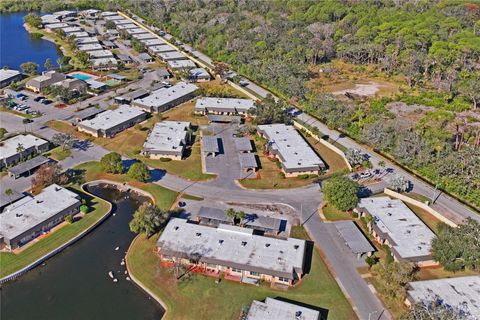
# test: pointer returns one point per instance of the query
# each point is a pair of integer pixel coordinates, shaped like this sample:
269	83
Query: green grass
18	113
190	197
333	214
201	298
58	154
10	262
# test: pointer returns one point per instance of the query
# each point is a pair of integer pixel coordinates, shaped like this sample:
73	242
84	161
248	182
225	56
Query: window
253	273
282	279
236	270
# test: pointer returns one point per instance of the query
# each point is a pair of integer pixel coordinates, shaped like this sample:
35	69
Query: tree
110	24
33	20
112	163
138	46
3	132
139	171
270	111
83	57
63	139
220	68
470	87
25	122
60	62
29	67
355	157
393	277
458	248
436	309
371	261
9	194
20	148
69	218
236	216
48	174
341	192
48	64
399	184
148	219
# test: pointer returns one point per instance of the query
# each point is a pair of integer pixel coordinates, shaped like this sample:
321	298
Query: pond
18	46
75	283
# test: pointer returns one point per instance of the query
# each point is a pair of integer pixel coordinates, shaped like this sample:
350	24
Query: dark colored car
46	101
38	98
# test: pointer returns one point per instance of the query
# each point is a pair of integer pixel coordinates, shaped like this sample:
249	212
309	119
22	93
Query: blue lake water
17	46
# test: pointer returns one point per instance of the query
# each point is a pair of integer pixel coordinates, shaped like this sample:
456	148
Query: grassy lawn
439	272
18	113
431	222
164	198
58	154
10	262
217	88
333	214
186	300
269	175
334	161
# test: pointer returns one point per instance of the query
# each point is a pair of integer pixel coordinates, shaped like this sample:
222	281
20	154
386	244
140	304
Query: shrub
69	218
84	208
165	159
303	176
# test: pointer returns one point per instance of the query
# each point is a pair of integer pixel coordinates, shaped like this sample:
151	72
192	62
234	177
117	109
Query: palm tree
20	149
60	62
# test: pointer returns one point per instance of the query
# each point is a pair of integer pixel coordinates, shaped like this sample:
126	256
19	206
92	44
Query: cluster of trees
137	45
341	192
48	174
148	219
112	163
449	159
433	44
33	20
270	111
393	278
458	248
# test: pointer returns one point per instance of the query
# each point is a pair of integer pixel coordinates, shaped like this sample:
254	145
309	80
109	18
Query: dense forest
432	48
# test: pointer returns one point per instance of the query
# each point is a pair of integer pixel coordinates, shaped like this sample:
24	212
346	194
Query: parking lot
226	164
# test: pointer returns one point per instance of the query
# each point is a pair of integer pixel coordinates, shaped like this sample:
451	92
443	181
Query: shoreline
140	284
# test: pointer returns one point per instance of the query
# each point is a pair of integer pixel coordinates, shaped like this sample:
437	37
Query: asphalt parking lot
226	164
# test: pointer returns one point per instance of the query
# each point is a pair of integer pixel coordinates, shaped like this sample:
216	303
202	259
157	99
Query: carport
27	166
210	146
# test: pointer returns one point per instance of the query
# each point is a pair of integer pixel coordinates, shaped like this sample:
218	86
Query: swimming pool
81	76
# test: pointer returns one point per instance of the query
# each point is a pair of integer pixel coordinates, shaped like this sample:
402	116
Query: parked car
243	82
366	174
39	98
47	101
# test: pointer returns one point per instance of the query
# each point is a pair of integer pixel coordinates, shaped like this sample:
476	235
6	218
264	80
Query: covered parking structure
210	146
27	166
224	119
248	162
354	238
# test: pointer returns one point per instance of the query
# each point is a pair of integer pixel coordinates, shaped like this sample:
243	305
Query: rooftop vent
198	234
176	228
244	243
267	245
298	314
296	246
220	242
